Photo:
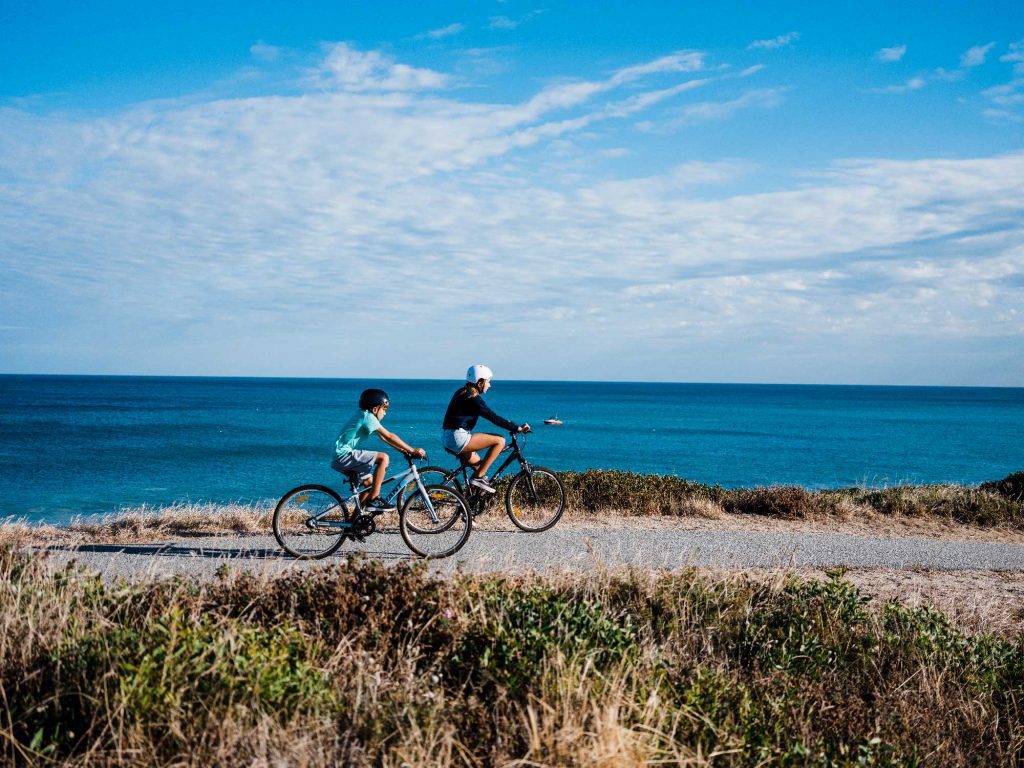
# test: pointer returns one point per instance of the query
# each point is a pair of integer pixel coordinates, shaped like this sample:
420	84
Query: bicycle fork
431	512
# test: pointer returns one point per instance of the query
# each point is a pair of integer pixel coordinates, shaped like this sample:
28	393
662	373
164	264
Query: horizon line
515	380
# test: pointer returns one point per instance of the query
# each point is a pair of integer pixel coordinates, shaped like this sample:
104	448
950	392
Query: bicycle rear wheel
302	522
535	500
441	534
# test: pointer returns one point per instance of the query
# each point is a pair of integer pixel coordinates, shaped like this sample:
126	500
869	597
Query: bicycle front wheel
306	522
535	500
438	529
430	475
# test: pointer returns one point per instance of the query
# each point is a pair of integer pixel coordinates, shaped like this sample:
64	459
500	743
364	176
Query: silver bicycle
312	521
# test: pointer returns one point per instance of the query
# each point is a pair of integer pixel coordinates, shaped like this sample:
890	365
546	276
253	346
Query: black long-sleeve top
464	410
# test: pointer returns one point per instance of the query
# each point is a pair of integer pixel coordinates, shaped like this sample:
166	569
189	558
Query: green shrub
596	490
515	629
1011	486
173	674
966	505
977	663
811	628
786	501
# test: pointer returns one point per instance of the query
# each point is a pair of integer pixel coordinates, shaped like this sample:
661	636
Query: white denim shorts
456	440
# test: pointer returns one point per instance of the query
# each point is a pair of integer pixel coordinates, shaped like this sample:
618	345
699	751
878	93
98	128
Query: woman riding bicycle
466	406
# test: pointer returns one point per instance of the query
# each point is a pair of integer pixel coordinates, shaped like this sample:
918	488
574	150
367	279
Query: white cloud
680	61
240	234
502	22
776	42
442	32
562	96
708	111
506	23
264	52
1008	96
913	84
1002	116
750	70
1015	54
975	56
948	75
349	69
895	53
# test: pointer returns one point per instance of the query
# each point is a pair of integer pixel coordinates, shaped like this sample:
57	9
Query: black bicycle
312	521
534	498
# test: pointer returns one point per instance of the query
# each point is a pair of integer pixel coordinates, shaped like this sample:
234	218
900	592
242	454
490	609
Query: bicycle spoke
306	522
438	528
535	501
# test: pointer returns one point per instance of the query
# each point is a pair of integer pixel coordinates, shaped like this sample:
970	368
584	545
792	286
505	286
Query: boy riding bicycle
349	458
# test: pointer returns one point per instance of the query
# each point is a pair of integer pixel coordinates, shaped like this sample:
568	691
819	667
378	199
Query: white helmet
477	372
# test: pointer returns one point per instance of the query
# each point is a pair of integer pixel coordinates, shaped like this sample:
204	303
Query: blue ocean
74	446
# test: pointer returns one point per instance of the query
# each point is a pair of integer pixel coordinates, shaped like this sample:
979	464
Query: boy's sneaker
378	506
483	484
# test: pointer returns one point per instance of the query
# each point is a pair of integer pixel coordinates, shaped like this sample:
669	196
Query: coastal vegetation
605	494
363	664
596	491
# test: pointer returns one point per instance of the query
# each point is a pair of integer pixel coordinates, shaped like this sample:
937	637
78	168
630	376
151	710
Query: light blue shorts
455	440
355	462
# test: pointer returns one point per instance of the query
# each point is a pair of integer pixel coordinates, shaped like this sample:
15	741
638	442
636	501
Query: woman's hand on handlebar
523	428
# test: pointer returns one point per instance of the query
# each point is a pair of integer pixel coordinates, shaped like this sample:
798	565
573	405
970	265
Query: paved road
571	548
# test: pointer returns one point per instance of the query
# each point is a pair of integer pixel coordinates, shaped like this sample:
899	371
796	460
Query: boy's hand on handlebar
418	453
523	428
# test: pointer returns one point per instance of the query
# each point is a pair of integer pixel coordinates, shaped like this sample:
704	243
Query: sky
716	191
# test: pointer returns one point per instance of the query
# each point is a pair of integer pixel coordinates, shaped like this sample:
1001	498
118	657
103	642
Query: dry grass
366	665
147	524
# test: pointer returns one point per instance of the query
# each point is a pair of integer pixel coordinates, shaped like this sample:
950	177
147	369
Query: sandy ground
875	525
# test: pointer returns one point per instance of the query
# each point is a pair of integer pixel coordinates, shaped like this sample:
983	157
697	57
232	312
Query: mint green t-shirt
358	428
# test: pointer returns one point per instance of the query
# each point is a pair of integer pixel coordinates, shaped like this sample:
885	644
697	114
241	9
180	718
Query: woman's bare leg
478	442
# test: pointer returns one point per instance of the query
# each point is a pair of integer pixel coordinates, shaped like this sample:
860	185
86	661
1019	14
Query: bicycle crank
363	525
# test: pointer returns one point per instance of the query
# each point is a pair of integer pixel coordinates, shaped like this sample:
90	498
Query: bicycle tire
291	522
429	475
425	525
534	507
443	538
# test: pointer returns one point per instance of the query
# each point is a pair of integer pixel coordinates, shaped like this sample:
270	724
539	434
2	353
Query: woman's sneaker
378	506
483	484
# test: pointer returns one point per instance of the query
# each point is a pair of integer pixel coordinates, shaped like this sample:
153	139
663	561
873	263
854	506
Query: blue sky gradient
800	192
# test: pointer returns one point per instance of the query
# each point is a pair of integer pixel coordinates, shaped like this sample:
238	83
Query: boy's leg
380	466
480	441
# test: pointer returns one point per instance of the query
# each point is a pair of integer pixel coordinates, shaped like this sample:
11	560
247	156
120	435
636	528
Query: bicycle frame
358	491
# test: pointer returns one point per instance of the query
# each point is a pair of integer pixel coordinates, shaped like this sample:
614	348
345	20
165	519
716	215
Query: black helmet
371	398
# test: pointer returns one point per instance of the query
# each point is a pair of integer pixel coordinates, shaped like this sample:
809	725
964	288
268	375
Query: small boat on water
553	421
